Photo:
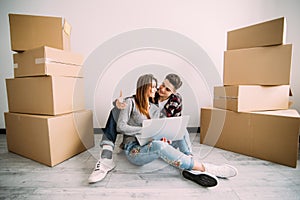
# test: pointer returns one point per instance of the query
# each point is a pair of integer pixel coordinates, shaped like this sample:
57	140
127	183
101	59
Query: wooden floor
21	178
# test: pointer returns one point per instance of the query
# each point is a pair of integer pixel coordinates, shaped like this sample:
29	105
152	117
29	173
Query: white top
162	104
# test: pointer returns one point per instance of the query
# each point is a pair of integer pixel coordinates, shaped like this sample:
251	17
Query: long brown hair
142	87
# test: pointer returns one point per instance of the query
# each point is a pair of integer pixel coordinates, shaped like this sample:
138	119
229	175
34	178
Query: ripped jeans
141	155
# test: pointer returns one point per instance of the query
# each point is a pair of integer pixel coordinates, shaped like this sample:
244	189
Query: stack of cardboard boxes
250	113
47	120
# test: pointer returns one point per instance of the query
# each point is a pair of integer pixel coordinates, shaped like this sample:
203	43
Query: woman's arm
124	117
119	102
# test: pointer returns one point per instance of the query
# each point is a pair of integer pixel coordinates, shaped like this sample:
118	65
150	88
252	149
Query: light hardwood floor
21	178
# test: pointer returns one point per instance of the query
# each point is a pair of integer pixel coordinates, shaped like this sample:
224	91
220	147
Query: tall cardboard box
246	98
49	140
30	31
258	66
268	135
45	95
267	33
47	61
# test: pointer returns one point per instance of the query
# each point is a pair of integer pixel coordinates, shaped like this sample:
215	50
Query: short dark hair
174	80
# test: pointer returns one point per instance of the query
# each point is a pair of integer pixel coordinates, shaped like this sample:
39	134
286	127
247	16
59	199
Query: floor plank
21	178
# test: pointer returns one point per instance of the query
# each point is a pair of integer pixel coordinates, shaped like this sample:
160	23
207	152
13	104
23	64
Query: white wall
123	39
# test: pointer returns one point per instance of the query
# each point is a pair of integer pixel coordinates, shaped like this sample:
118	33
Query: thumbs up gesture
120	101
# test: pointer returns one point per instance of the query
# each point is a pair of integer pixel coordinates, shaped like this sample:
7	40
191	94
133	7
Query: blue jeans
110	131
182	146
110	134
141	155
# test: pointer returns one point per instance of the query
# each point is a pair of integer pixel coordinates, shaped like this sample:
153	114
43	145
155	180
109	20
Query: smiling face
146	88
152	89
165	90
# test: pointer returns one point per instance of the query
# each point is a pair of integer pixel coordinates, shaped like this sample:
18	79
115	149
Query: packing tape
43	61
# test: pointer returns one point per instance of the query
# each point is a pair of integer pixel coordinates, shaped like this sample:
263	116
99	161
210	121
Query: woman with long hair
130	122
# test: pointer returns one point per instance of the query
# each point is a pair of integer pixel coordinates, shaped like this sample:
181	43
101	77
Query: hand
120	102
166	140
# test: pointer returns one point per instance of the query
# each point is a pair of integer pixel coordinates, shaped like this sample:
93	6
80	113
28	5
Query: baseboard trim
100	130
190	130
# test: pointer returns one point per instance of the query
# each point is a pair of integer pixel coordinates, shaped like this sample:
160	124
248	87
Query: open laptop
172	128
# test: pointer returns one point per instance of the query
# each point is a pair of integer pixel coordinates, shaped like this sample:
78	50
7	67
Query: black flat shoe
202	178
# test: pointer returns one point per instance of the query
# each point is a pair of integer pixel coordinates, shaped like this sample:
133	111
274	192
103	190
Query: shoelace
98	167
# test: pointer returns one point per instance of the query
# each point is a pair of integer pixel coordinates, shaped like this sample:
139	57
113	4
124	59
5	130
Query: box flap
67	28
284	113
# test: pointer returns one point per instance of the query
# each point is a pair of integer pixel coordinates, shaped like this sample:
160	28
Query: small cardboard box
48	69
49	139
246	98
45	95
47	61
258	66
31	31
268	135
262	34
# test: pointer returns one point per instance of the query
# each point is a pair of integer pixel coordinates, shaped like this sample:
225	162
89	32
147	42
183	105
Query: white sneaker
221	171
202	178
102	167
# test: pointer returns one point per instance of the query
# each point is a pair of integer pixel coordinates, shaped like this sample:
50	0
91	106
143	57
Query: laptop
172	128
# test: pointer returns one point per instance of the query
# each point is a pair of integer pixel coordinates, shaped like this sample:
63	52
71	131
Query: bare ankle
198	166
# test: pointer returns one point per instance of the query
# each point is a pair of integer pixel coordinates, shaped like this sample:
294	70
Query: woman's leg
183	145
141	155
110	131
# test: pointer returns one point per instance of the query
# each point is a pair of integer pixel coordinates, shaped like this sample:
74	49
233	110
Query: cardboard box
262	34
258	66
45	95
30	31
49	139
47	61
246	98
268	135
49	69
